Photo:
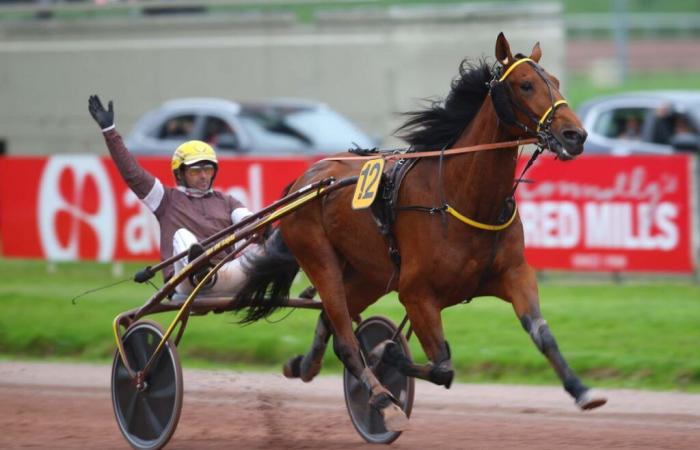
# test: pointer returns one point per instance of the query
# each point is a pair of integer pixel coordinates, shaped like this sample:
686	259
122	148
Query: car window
621	123
320	129
274	121
178	127
670	125
268	141
215	129
331	132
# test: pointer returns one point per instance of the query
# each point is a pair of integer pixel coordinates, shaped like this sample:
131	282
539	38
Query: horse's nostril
574	136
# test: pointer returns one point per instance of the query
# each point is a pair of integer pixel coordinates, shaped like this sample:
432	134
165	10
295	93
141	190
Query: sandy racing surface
69	406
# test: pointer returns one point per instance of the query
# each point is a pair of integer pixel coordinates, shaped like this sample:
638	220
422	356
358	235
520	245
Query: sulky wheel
368	421
147	415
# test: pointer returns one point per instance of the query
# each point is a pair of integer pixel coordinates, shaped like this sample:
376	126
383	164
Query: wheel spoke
365	346
156	427
393	379
122	376
356	389
163	392
130	413
375	422
139	347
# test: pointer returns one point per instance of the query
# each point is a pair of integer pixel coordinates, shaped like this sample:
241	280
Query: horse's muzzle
569	142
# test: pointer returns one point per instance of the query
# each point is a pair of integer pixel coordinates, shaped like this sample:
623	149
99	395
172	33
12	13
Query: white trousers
230	276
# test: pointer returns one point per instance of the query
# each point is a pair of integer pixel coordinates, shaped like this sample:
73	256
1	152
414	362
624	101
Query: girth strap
384	207
479	225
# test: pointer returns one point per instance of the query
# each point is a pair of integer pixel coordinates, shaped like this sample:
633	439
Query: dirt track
68	406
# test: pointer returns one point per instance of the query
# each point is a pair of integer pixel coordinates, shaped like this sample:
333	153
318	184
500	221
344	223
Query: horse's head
527	99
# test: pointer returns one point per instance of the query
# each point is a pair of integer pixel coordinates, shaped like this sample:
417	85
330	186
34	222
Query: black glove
104	119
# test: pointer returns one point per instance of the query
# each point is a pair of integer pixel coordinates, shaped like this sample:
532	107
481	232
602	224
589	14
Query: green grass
629	335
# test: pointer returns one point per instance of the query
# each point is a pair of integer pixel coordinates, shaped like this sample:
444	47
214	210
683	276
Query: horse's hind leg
308	366
324	269
519	287
361	294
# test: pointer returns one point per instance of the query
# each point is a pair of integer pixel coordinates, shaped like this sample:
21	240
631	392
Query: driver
187	213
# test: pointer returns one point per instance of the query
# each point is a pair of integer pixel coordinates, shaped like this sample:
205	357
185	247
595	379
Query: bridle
504	102
503	99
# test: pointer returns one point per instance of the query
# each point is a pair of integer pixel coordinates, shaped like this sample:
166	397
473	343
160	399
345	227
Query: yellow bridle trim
479	225
513	66
549	111
551	108
485	226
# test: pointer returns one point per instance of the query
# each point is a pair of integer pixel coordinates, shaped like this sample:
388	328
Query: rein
435	153
509	203
542	138
455	151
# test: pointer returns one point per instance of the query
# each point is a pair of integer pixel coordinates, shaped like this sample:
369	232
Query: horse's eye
526	86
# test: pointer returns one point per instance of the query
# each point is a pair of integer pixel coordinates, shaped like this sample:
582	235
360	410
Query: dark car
653	122
274	127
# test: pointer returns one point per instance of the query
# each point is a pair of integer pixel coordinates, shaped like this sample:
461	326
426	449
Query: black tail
270	276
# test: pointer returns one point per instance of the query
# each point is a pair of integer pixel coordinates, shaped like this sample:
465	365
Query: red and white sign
71	207
609	214
595	213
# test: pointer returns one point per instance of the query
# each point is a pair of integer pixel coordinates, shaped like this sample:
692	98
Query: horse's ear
536	53
503	54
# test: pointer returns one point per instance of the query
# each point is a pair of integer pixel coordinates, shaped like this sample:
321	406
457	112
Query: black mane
441	123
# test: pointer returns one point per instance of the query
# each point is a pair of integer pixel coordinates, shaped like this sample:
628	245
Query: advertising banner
597	213
76	207
607	213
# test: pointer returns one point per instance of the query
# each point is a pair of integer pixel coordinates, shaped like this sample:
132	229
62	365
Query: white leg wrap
182	241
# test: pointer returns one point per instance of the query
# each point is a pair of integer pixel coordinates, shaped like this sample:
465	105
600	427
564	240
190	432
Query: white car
653	122
274	127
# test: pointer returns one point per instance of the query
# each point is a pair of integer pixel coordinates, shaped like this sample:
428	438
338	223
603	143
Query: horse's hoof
309	371
292	368
394	418
442	374
590	400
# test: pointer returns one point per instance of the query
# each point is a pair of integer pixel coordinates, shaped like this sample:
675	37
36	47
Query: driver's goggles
207	169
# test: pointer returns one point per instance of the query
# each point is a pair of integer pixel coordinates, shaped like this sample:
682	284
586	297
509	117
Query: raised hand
104	118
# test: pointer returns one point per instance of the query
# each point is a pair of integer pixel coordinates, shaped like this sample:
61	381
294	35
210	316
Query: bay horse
444	261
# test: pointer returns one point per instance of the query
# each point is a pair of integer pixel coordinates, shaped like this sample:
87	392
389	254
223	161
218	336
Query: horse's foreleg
308	366
520	288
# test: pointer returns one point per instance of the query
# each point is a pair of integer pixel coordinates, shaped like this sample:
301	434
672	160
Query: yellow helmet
192	152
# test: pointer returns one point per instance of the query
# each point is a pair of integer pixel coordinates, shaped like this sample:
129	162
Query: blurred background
369	60
623	299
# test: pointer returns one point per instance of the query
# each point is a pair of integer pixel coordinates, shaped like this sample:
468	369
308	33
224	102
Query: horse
443	261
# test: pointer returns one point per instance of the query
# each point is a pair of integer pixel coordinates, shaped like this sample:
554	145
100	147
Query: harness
384	208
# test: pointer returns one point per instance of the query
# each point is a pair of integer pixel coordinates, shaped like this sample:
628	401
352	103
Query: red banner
595	213
609	214
70	207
